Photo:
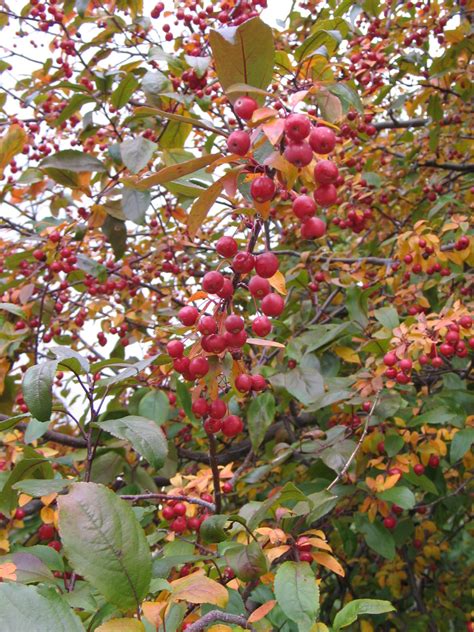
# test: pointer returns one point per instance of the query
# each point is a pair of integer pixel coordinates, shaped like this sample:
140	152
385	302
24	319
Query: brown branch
163	496
217	615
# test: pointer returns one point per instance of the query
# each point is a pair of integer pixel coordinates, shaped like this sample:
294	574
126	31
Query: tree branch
217	615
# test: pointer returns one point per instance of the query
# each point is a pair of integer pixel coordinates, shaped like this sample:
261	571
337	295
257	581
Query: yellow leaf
47	500
47	515
319	627
121	625
347	354
277	281
265	343
262	611
202	206
173	172
23	499
8	571
152	611
320	544
329	562
197	588
275	553
220	628
11	144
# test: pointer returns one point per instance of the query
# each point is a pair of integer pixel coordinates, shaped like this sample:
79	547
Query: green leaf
34	430
421	481
356	303
32	465
75	103
81	6
387	316
328	33
306	384
184	399
37	389
260	416
377	536
38	488
297	593
146	437
73	160
135	204
244	54
137	152
438	415
105	543
393	444
29	568
461	443
401	496
353	609
122	93
247	561
116	233
65	354
11	422
13	309
26	608
212	529
348	97
155	405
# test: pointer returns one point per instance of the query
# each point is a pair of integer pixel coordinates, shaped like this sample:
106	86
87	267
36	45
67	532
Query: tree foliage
236	342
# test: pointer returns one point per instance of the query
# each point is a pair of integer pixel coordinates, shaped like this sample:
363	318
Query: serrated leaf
353	609
145	436
260	416
197	588
105	543
37	389
73	160
297	593
26	608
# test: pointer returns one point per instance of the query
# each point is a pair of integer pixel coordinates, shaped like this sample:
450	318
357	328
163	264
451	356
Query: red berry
232	426
227	247
437	362
217	409
313	228
266	264
175	348
179	524
406	365
322	140
243	383
226	488
39	255
297	127
304	206
200	407
20	514
179	509
181	365
433	460
243	262
397	510
259	383
326	172
446	349
261	326
212	282
298	154
381	447
262	189
199	367
188	315
303	543
245	107
394	471
419	469
273	304
390	359
235	341
168	512
259	287
193	523
212	426
55	544
46	532
305	556
207	325
214	343
325	195
390	522
227	290
465	322
238	142
234	323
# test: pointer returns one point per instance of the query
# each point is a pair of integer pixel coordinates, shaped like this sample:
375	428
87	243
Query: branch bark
217	615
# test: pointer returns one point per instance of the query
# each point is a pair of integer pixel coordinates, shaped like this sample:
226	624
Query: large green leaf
401	496
247	561
304	383
124	90
116	233
297	593
73	160
244	54
461	443
135	204
28	608
33	465
37	389
105	543
137	152
260	415
353	609
146	437
377	536
155	405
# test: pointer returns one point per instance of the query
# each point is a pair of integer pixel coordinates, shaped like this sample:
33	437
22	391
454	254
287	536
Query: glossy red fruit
168	512
297	127
199	367
397	510
175	348
298	154
394	471
200	407
226	246
262	189
433	460
419	469
261	326
179	524
304	206
465	322
243	262
325	172
217	409
193	523
305	556
259	383
55	544
390	359
227	487
325	195
313	228
232	426
391	373
243	383
46	532
437	362
259	287
180	509
245	107
227	289
212	282
322	140
207	325
212	426
235	341
390	522
303	543
406	365
238	142
233	323
188	315
273	304
181	364
446	349
20	514
214	343
39	255
402	378
266	264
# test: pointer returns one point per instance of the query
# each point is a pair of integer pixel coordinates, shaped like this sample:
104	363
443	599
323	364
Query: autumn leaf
197	588
262	611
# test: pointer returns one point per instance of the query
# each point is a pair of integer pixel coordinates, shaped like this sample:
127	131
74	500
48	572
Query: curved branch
217	615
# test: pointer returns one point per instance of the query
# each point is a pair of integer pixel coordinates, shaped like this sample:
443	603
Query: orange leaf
202	206
11	144
265	343
197	296
197	588
277	281
330	562
173	172
7	571
262	611
152	611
